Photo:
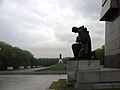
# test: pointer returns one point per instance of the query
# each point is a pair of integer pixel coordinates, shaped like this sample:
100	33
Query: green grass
110	89
59	67
56	67
61	85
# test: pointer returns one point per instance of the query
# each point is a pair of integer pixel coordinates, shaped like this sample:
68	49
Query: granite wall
110	13
112	43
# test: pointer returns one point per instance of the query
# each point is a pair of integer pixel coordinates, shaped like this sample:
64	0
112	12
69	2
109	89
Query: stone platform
88	75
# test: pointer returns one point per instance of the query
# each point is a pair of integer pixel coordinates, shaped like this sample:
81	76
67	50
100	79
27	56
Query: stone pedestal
28	66
80	65
21	67
87	74
10	68
34	66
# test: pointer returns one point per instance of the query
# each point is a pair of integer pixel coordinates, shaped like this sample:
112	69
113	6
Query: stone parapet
98	76
83	65
10	68
87	74
80	65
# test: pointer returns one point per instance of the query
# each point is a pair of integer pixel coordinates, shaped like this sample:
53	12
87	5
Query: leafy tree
100	52
13	56
47	61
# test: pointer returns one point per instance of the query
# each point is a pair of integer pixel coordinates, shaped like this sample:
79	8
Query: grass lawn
111	89
61	85
56	67
59	67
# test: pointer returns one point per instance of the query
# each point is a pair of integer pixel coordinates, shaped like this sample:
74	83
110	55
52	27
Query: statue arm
83	38
78	39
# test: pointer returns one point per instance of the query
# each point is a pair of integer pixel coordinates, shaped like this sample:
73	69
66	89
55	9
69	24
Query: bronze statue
82	47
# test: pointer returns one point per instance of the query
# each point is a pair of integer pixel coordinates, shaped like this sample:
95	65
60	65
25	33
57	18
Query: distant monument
60	58
82	47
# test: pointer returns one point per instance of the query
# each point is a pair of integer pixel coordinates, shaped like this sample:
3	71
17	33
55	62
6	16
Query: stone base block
87	75
95	65
80	65
21	67
71	77
83	86
72	65
110	75
98	76
83	65
28	66
99	79
34	66
38	66
102	85
96	86
10	68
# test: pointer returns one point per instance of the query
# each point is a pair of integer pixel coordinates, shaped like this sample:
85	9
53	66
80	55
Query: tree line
14	56
100	53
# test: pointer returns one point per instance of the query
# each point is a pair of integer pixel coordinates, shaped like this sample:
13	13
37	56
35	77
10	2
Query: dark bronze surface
82	47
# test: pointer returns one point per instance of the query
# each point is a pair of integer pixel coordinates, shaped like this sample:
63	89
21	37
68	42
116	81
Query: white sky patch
44	26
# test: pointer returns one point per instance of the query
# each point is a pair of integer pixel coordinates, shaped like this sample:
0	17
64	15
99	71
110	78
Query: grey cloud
44	26
97	42
51	52
88	8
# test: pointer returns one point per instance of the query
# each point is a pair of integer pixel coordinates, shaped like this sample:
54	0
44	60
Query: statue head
77	30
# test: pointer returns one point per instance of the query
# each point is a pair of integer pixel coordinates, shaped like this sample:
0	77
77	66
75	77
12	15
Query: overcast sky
43	27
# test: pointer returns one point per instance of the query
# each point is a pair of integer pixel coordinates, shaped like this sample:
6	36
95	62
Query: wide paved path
28	82
24	70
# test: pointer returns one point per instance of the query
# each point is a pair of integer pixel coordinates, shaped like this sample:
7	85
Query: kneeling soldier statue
82	47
